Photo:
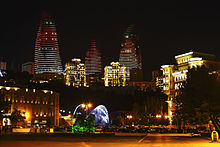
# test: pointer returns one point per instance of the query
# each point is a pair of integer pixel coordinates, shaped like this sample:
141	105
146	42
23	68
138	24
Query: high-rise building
29	67
47	57
93	59
3	65
115	75
130	53
93	65
75	73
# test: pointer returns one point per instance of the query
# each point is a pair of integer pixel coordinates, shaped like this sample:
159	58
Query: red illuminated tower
130	53
47	57
93	60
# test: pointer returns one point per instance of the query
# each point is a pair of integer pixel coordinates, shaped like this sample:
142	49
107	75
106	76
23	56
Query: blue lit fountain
100	113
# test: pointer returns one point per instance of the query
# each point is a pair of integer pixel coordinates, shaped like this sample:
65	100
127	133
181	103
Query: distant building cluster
77	74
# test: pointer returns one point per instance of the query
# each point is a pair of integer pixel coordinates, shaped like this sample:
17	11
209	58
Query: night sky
165	30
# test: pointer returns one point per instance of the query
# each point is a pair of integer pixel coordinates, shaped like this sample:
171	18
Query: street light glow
83	105
89	105
129	116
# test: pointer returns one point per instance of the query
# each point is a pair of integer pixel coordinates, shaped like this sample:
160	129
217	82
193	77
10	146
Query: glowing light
195	59
166	116
158	116
83	105
182	55
7	88
89	105
27	115
129	116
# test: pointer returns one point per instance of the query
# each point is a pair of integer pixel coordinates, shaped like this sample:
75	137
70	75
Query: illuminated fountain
100	113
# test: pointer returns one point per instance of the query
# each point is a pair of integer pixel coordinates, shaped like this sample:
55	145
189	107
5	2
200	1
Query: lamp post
129	117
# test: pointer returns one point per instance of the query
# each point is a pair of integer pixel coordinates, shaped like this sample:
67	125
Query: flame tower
130	53
93	60
47	58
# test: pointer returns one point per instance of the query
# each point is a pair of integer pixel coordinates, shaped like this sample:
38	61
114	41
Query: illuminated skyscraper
75	73
47	57
115	75
130	53
93	60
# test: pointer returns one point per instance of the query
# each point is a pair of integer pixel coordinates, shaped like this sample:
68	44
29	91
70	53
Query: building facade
174	76
47	56
75	73
28	67
41	107
115	75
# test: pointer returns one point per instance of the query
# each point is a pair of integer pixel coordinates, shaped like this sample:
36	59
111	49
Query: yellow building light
27	115
7	88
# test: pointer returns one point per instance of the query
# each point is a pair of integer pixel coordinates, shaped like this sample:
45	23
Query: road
105	141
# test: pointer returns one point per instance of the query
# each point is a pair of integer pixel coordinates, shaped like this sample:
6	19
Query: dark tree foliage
4	106
16	117
12	78
148	104
198	102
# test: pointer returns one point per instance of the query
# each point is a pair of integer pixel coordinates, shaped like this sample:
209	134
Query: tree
16	117
198	102
150	103
4	106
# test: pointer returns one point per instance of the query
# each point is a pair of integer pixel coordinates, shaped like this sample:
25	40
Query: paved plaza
104	141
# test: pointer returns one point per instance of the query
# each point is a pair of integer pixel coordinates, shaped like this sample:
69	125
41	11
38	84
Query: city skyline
163	34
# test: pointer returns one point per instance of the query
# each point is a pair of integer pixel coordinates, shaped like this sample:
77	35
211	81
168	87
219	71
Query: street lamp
158	116
129	116
166	116
89	105
83	105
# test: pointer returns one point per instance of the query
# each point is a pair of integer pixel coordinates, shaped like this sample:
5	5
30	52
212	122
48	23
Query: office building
115	75
75	73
